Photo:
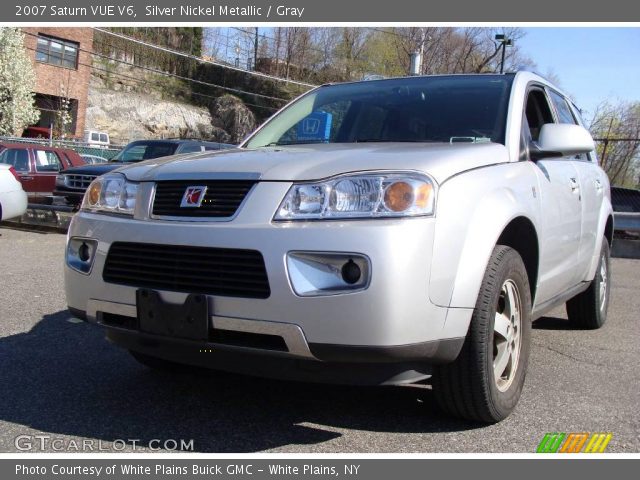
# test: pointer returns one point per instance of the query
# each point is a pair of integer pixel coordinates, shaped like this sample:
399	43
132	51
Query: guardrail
626	209
626	221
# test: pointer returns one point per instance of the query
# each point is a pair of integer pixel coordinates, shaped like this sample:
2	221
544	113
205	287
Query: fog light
84	253
320	273
80	254
351	272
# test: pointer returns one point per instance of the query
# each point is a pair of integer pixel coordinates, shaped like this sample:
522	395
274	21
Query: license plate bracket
189	320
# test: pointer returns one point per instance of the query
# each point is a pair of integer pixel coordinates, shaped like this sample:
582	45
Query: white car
13	199
370	232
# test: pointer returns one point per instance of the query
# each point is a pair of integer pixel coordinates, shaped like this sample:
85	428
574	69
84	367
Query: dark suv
72	182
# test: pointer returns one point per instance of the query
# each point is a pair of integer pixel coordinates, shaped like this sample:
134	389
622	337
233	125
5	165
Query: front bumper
72	197
391	321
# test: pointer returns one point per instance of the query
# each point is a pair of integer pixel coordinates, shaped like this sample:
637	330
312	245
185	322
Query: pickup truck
376	232
71	183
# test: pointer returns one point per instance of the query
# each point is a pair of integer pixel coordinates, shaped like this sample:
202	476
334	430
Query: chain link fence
80	147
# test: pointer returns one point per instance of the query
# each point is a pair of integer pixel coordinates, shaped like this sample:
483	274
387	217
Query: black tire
159	364
467	388
588	310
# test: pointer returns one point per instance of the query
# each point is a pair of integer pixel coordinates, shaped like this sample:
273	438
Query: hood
93	168
318	161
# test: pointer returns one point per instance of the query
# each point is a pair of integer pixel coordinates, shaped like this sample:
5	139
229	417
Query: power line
268	37
160	72
199	82
201	60
158	84
138	53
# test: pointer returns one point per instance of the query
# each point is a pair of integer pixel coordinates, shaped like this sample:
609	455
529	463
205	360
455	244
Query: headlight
369	195
111	193
60	181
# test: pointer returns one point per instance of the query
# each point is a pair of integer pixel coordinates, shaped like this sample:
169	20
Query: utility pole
417	63
505	42
255	51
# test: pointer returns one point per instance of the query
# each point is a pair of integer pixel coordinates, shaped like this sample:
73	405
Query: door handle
575	186
598	185
26	178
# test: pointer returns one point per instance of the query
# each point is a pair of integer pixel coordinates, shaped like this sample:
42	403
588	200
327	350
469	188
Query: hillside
131	108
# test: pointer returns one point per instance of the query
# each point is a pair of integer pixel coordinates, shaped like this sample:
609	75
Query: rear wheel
588	310
485	382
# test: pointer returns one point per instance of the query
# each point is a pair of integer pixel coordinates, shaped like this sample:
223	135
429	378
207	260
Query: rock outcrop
131	115
232	116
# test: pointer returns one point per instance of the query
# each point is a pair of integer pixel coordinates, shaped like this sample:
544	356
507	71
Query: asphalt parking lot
63	380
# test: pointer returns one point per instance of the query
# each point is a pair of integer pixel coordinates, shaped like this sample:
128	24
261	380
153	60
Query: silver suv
375	232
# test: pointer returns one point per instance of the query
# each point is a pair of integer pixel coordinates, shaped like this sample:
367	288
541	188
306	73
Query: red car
37	166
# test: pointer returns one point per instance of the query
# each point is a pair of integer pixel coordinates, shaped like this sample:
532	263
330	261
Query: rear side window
104	138
190	148
18	159
95	137
562	109
145	151
47	161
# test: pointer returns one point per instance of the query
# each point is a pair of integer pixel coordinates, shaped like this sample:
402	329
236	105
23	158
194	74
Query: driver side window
537	113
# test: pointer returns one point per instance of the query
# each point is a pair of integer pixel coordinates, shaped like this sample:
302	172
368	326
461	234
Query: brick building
63	69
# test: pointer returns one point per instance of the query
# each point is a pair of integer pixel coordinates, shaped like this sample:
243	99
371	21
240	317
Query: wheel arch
608	230
605	230
521	235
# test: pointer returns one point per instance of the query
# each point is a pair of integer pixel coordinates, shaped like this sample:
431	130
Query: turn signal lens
398	197
93	195
424	195
14	173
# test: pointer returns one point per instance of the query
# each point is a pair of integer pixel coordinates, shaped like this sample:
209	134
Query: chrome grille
79	182
222	198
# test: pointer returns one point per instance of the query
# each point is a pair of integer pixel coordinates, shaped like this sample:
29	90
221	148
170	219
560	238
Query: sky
593	64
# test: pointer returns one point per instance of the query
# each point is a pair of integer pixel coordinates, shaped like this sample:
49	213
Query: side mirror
562	140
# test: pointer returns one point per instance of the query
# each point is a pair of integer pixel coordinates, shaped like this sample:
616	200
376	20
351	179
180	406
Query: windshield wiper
303	142
380	140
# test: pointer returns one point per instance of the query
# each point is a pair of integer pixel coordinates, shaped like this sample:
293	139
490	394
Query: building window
57	52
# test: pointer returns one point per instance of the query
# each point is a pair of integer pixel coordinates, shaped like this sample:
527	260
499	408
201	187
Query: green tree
17	82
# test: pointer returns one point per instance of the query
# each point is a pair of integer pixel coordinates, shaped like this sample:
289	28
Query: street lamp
505	42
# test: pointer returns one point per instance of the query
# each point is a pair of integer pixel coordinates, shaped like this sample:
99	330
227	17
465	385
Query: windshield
138	151
465	108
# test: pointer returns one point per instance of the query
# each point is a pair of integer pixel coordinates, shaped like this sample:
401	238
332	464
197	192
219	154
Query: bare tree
618	126
213	42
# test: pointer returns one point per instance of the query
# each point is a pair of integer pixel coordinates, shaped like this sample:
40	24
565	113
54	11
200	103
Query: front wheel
485	382
588	310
